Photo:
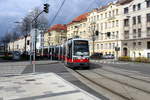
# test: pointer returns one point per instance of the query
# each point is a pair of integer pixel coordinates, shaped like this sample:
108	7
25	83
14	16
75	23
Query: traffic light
108	34
46	8
96	33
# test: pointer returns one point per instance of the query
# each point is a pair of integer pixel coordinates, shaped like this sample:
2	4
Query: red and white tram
77	53
74	53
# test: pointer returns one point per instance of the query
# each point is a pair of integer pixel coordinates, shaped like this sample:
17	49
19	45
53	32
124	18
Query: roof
79	18
57	27
122	2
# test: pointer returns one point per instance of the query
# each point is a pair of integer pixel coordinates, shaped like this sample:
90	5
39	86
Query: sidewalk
47	86
16	68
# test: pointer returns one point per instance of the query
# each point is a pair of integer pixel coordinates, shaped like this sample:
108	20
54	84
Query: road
18	68
143	68
105	79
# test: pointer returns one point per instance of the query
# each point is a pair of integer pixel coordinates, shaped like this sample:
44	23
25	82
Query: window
109	45
126	10
126	34
97	26
106	46
148	3
134	7
116	11
117	23
148	31
109	14
102	46
117	34
113	23
113	45
126	22
97	46
134	33
113	13
139	19
94	18
17	46
139	43
139	6
134	20
97	17
105	15
148	17
105	25
101	26
134	44
148	45
113	35
101	16
148	55
139	32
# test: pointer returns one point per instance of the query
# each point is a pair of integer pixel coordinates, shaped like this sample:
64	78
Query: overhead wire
60	8
57	12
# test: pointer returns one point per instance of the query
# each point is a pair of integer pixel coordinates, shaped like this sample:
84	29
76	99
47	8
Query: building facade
56	35
78	27
136	28
103	21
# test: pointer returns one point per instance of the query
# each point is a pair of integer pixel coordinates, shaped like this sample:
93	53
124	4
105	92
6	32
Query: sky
12	11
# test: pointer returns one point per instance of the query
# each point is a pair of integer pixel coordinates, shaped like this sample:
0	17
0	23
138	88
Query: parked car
109	56
16	55
96	56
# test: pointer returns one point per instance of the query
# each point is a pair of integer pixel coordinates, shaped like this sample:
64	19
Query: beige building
56	35
78	27
103	21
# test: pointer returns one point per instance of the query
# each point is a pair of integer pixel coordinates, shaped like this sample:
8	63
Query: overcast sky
14	10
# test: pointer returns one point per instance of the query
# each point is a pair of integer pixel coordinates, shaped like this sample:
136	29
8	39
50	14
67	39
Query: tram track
127	84
113	91
142	80
104	87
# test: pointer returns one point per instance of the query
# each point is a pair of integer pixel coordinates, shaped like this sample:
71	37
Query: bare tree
5	40
41	22
25	29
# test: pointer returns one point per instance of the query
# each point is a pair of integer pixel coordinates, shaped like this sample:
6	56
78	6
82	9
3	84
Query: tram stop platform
47	86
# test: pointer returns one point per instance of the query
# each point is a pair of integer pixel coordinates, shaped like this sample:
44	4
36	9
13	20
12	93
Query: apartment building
78	27
103	21
135	28
56	35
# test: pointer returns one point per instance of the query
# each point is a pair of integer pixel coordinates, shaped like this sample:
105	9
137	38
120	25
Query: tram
74	53
77	53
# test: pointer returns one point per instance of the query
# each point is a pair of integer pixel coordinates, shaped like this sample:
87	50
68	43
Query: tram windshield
81	48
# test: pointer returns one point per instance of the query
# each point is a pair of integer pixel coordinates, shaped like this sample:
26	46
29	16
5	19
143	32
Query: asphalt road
143	68
60	70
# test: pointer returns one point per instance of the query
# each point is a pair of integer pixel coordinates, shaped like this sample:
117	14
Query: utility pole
46	10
